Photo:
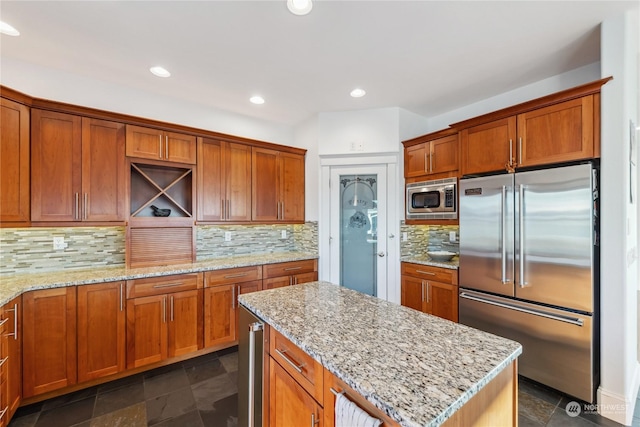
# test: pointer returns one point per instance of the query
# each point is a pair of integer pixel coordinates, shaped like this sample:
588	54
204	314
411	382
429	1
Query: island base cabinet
289	402
49	340
11	356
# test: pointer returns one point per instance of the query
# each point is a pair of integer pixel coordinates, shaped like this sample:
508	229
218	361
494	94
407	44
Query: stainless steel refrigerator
529	270
250	372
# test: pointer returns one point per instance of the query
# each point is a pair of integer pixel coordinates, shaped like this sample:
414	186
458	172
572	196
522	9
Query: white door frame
346	163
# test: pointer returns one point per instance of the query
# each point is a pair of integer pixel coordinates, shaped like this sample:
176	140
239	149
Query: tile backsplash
423	238
30	250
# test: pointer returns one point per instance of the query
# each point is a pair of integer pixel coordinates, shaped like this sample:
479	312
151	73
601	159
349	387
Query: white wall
56	85
306	136
620	374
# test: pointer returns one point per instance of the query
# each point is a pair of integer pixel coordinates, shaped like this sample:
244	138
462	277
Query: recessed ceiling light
160	71
299	7
358	93
8	29
258	100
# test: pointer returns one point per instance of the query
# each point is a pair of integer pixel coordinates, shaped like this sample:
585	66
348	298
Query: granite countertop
14	284
418	369
425	260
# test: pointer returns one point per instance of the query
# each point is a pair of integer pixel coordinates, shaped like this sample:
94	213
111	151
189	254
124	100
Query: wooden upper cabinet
431	157
156	144
49	340
78	170
101	330
277	186
558	133
14	162
488	147
224	181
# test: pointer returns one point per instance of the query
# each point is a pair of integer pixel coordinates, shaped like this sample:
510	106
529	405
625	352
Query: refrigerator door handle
253	328
536	312
523	282
503	228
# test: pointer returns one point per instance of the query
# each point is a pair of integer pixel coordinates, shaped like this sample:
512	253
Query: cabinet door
292	187
180	148
416	160
101	330
220	314
305	278
56	166
412	293
144	143
443	300
289	403
486	147
237	171
184	322
146	330
444	154
558	133
49	340
103	171
265	197
14	161
211	189
12	342
277	282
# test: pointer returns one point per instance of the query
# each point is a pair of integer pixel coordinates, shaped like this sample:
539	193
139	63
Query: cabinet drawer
232	275
162	285
306	371
438	274
289	268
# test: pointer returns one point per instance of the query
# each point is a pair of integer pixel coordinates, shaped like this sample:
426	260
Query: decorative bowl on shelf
441	256
160	212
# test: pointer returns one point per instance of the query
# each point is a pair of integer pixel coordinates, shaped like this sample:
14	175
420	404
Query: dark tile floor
203	392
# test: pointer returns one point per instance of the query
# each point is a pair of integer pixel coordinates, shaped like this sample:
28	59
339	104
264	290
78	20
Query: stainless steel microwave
435	199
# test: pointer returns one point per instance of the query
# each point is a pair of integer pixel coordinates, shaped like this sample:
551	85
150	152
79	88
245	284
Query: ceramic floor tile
223	413
122	382
204	371
230	362
210	391
165	382
523	421
118	399
25	420
167	406
131	416
190	419
534	408
69	397
560	418
539	391
67	415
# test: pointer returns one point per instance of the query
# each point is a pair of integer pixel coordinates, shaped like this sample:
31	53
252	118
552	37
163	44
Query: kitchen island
414	369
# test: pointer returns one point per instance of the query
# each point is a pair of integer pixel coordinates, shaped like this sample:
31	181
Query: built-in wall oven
436	199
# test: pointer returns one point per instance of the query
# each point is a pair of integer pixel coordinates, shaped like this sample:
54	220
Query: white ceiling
428	57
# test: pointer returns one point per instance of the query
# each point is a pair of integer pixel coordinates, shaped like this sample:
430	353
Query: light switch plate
452	236
227	236
283	234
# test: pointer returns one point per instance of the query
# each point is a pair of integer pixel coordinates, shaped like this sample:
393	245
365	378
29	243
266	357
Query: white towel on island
348	414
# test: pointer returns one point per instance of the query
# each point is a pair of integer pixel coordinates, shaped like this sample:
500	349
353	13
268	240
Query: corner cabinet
14	162
77	168
224	181
277	186
432	290
49	340
156	144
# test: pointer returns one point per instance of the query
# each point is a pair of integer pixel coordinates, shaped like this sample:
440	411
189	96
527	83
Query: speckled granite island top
416	368
13	285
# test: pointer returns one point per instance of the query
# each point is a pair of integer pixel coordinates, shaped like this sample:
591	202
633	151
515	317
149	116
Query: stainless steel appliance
250	373
435	199
529	270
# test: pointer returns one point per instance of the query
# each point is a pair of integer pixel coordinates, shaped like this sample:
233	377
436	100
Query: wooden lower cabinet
184	322
11	343
101	330
289	273
432	290
289	403
49	340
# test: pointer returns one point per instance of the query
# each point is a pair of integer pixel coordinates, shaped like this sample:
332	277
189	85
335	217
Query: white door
358	228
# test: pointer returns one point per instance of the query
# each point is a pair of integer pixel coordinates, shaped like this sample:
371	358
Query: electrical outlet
227	236
405	236
58	243
283	234
452	236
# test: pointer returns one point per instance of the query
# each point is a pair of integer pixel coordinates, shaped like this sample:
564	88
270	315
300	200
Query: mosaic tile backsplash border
423	238
30	250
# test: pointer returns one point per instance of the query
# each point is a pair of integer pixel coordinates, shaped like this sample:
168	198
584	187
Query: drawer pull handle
168	285
289	361
4	411
233	276
3	321
292	268
426	272
4	360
